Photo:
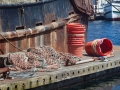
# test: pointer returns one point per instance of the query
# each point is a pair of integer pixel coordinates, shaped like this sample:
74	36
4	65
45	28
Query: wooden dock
68	75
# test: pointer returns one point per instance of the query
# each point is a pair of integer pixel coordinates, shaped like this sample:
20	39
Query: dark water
109	83
97	30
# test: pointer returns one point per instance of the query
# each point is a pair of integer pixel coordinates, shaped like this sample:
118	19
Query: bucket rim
99	49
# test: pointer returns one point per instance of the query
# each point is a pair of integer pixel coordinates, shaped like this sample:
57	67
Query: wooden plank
61	40
37	40
24	43
19	44
47	41
42	40
53	39
11	47
32	41
7	47
3	47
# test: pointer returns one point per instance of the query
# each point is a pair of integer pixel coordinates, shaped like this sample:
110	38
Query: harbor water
106	83
104	29
97	30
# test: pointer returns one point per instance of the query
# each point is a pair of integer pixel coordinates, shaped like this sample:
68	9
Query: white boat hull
112	13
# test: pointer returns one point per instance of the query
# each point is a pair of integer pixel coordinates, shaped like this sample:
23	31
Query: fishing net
43	58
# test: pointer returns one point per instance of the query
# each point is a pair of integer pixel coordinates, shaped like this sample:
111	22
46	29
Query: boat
21	21
99	6
112	10
32	23
98	10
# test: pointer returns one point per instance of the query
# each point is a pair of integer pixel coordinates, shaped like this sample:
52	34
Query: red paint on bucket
89	49
105	48
74	25
76	40
76	49
75	35
76	30
72	43
99	47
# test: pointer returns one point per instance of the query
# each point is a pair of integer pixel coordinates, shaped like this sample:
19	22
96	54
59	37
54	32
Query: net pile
42	58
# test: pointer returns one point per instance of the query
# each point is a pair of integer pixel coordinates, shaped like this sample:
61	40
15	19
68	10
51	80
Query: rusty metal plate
3	47
31	40
47	41
11	47
49	18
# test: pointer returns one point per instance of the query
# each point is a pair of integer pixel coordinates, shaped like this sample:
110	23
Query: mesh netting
43	58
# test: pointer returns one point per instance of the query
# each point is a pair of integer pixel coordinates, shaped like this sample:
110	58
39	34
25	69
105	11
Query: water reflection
108	83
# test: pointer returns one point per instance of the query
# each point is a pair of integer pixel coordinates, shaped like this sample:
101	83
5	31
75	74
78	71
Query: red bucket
78	41
74	25
75	28
76	31
76	35
99	47
76	50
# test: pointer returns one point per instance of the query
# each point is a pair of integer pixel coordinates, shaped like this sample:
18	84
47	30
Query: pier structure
65	76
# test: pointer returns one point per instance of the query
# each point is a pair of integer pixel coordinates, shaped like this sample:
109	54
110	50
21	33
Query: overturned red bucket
99	47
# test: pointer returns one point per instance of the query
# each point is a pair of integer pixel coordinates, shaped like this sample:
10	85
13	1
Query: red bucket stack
76	38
